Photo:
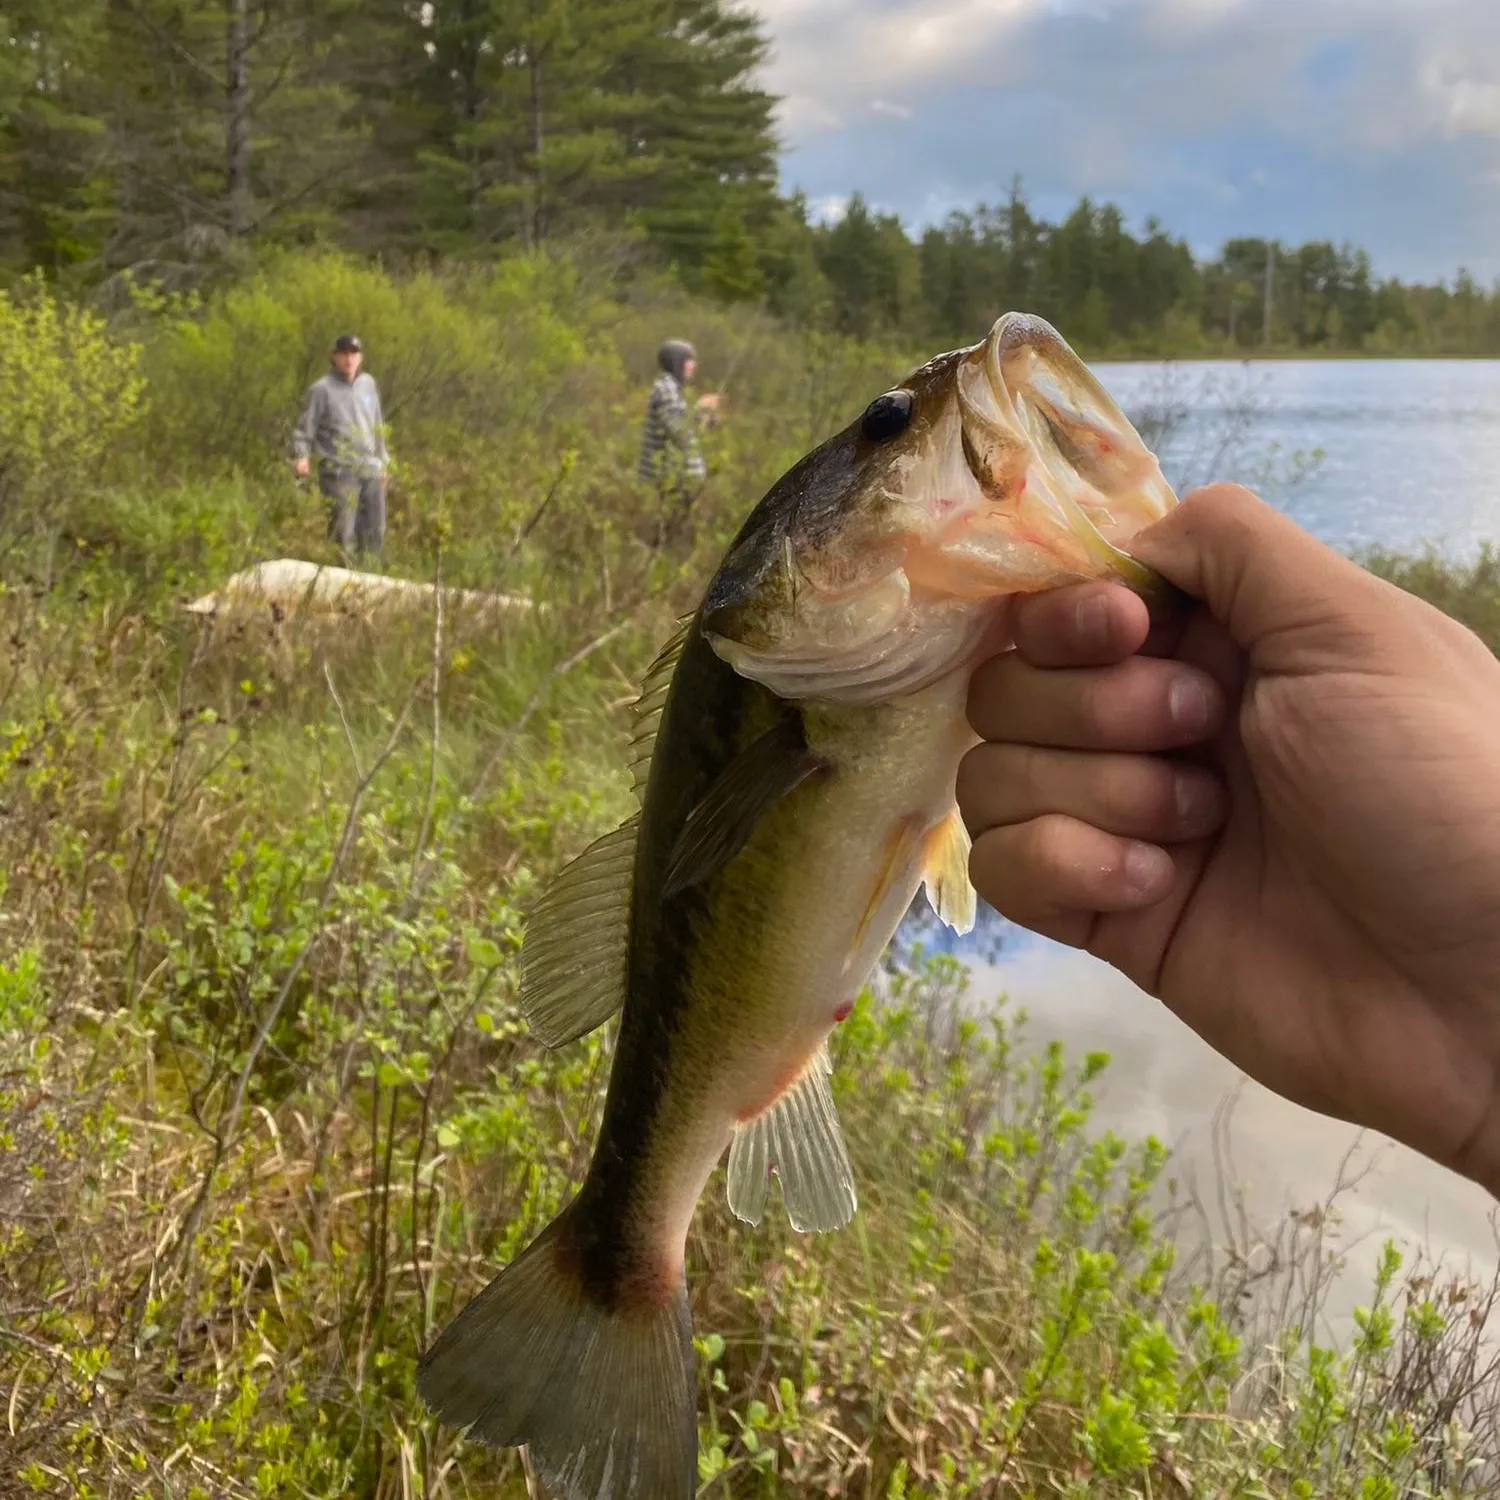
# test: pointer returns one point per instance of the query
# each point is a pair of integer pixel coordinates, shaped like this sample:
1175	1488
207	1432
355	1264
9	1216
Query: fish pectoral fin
753	782
574	954
800	1139
900	848
945	873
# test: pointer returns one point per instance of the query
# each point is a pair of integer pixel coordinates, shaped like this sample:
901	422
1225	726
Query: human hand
302	468
1280	815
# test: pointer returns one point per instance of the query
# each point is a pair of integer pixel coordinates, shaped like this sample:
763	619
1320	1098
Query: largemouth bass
796	752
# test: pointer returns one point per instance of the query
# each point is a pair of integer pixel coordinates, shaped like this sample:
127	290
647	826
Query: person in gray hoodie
342	428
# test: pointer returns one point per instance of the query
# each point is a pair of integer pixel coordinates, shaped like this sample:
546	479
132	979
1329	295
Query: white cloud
1464	92
1424	66
1294	117
801	115
840	52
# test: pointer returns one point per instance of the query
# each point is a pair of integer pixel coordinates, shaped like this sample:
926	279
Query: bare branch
171	43
423	831
230	1119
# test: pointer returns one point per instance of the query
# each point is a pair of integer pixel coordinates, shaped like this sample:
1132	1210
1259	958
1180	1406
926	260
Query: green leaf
483	954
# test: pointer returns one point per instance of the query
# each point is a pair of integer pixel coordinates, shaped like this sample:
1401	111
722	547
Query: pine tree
873	270
225	123
543	115
54	193
731	267
796	287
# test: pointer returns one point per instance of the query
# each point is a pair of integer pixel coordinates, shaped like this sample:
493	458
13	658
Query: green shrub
268	1113
463	358
70	396
1469	591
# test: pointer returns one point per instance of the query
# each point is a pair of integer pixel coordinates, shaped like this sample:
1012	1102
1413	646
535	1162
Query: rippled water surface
1411	447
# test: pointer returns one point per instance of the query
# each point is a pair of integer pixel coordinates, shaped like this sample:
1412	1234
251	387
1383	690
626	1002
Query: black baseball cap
347	343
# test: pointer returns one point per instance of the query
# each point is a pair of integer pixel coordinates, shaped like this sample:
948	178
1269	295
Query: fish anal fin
945	872
601	1395
798	1137
757	778
574	954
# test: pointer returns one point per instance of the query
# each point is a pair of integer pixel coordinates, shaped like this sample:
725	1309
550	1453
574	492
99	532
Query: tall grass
268	1113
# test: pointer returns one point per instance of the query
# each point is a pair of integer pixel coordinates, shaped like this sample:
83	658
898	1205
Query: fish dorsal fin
799	1137
647	709
945	871
574	954
753	782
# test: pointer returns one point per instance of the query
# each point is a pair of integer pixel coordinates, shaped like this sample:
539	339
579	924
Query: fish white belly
859	850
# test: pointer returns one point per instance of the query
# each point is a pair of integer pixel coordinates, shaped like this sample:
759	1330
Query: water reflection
1164	1081
1411	447
1411	455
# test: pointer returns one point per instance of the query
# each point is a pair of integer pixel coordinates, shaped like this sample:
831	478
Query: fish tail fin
599	1386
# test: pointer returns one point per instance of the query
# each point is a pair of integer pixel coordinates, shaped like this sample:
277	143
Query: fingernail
1195	799
1091	620
1146	868
1188	705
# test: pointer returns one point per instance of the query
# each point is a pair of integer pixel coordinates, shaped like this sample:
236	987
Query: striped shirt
669	444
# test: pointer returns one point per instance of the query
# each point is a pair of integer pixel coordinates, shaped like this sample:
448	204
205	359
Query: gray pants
356	510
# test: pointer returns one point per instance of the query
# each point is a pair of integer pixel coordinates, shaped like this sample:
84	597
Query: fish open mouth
1001	469
1059	462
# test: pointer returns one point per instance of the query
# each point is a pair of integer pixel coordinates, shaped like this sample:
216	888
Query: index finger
1083	625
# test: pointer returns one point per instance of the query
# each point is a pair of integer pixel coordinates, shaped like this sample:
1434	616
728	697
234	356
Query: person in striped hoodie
671	459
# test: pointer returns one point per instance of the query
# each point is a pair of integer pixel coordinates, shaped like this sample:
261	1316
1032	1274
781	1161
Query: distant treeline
1112	290
177	138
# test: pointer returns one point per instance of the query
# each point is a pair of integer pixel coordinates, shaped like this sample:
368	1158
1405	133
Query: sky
1371	121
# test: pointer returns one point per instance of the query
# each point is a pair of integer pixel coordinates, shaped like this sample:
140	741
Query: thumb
1260	575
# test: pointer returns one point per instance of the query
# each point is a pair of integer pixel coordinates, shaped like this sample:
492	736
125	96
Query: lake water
1411	457
1411	448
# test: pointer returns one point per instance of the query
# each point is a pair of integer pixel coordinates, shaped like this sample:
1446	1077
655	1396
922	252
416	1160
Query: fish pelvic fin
600	1394
945	873
798	1137
576	949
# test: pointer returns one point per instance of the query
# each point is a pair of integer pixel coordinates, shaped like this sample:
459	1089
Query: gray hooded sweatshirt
341	425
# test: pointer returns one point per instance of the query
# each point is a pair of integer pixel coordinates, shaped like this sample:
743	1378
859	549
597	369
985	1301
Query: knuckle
1045	845
1028	771
1096	706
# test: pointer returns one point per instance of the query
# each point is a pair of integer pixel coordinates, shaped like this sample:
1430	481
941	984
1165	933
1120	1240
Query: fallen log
293	584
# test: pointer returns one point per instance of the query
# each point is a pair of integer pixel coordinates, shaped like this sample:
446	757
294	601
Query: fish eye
887	416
